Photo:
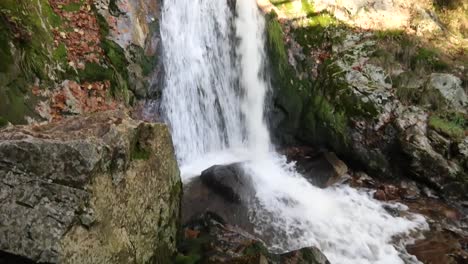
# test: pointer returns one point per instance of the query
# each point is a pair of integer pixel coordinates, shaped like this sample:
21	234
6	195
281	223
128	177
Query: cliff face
68	57
391	98
99	188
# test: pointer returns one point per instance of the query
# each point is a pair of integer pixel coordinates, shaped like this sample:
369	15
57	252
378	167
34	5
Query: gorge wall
390	98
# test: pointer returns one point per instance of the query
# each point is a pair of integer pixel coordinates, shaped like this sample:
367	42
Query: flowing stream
214	102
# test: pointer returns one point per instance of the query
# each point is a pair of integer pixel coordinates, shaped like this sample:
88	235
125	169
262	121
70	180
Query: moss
147	63
94	72
5	53
103	26
276	42
3	122
60	54
140	153
447	127
31	24
73	6
13	106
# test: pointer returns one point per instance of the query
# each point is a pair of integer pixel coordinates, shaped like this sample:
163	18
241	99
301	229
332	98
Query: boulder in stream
224	189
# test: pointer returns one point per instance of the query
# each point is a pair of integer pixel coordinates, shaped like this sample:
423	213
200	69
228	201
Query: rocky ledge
100	188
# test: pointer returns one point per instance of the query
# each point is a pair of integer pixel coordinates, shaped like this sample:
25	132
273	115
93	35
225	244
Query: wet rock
61	204
229	181
387	193
199	198
208	238
320	168
440	247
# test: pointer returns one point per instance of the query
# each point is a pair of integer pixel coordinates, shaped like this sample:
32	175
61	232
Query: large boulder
224	189
450	88
101	188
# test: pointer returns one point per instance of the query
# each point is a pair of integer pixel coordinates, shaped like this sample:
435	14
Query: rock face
208	238
67	57
368	95
134	26
101	188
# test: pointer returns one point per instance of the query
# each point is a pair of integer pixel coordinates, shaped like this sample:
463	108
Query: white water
214	102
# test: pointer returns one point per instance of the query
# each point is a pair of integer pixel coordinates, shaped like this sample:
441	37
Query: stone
450	88
60	204
322	169
229	181
222	189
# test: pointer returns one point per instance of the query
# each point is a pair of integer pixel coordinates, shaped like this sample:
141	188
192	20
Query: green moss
73	7
147	63
447	127
5	53
94	72
276	42
13	106
3	122
60	54
115	54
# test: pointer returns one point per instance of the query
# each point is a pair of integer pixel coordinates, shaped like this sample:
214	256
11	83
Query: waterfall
214	100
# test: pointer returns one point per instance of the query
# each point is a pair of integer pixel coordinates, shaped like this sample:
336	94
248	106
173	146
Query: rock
212	240
321	169
199	198
463	150
450	88
229	181
92	189
370	99
134	27
223	189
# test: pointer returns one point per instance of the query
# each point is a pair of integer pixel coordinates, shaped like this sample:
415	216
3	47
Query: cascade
214	102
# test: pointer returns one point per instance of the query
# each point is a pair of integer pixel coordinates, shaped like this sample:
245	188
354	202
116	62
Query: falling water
214	102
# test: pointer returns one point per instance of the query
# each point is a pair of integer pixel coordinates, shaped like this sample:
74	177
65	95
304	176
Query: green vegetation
60	54
429	59
140	152
3	122
392	34
452	128
73	7
276	42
